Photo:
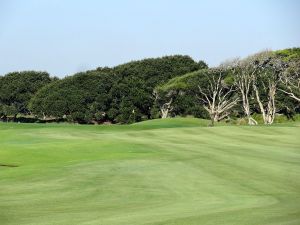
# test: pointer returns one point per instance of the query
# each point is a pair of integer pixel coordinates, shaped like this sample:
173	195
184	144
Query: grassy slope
176	171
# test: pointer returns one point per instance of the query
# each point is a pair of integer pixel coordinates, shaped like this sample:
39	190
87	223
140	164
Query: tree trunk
268	113
212	118
15	118
164	113
166	108
252	121
271	109
246	107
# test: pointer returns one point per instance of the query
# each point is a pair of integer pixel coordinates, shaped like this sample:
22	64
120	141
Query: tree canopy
266	83
17	88
121	94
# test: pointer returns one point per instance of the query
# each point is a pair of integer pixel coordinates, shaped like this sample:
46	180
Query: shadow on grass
8	165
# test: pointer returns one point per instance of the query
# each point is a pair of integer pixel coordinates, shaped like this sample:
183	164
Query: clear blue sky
67	36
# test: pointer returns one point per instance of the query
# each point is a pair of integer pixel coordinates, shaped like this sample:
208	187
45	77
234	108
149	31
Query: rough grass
161	172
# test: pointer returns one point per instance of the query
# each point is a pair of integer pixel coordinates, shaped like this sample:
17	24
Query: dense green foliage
158	87
158	172
133	93
16	90
81	98
120	94
289	54
291	82
185	92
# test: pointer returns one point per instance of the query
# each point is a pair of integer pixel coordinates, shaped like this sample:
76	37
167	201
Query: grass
160	172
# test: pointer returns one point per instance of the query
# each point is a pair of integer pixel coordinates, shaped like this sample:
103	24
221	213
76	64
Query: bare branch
217	98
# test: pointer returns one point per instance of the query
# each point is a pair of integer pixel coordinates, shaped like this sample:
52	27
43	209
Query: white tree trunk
44	116
165	109
243	80
268	112
164	113
217	99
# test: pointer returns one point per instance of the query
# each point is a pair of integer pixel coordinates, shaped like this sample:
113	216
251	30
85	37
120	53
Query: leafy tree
133	91
211	86
80	98
17	88
123	94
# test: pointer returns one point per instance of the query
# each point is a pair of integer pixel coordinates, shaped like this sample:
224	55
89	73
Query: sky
63	37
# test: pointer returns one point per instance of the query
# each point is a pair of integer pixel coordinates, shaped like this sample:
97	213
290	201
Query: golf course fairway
161	172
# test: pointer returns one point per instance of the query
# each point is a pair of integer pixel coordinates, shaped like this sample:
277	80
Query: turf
161	172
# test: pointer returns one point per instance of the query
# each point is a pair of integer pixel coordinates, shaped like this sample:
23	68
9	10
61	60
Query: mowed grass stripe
174	171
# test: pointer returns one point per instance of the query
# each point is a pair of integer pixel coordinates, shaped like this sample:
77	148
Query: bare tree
244	75
291	80
268	72
165	104
217	96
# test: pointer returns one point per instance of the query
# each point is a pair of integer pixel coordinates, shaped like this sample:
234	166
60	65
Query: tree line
122	94
264	84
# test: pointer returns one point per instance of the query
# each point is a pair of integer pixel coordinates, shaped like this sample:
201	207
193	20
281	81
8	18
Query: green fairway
160	172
